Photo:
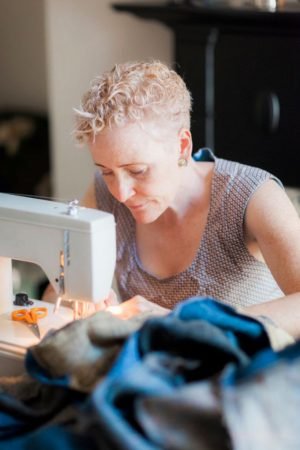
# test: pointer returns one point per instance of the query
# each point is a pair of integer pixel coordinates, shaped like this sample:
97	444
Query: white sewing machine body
75	247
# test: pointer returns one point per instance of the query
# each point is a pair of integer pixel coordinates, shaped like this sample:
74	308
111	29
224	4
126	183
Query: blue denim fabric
244	332
39	373
19	416
201	339
196	340
263	361
241	334
53	438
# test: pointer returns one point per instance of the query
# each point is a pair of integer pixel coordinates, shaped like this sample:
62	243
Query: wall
49	52
22	55
83	38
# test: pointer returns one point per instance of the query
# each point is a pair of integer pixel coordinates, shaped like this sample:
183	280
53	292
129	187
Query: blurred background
244	83
49	52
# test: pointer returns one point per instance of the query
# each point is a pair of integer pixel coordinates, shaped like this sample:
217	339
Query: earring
182	162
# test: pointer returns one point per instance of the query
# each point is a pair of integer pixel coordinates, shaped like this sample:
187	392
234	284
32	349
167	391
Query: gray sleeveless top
222	268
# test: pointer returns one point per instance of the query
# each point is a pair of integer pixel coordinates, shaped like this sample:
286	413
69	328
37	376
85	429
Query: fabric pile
203	377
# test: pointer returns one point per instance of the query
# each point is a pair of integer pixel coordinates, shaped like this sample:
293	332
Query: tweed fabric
222	268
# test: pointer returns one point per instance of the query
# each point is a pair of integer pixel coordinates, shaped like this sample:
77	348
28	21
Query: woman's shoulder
239	175
234	185
229	170
236	168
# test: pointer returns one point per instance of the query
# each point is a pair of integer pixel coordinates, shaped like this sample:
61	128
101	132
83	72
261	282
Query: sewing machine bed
16	337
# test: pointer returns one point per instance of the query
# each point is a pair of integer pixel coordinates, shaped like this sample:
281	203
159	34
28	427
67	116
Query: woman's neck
193	194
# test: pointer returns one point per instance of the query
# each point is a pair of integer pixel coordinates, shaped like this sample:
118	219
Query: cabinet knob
267	111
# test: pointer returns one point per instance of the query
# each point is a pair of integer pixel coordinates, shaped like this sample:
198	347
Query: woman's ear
186	143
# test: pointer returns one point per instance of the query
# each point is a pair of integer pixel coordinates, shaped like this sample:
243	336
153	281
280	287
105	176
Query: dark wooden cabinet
257	107
242	66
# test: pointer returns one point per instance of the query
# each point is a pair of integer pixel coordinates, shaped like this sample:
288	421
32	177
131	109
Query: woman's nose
123	190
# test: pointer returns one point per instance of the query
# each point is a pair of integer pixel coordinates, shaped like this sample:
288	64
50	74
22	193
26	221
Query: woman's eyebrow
121	165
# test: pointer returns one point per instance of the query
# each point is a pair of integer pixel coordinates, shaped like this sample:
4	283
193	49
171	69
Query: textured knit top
222	268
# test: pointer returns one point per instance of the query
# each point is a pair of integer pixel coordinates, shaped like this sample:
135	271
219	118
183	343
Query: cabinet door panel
192	54
191	63
257	99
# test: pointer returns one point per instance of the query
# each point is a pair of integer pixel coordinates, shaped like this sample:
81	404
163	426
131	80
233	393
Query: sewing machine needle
57	304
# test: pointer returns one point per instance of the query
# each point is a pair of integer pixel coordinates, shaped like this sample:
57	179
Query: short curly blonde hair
133	92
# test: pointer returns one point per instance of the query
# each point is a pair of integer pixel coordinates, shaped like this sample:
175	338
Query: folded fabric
261	402
26	405
190	418
196	341
191	380
61	369
82	352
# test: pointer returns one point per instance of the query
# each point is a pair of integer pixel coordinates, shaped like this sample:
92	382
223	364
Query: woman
186	226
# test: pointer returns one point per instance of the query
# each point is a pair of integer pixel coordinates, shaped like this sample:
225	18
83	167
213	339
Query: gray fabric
262	412
190	419
222	269
23	387
85	349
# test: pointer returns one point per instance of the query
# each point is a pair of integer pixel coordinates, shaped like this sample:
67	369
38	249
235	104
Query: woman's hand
135	306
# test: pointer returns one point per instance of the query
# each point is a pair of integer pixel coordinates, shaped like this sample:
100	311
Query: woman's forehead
115	149
133	139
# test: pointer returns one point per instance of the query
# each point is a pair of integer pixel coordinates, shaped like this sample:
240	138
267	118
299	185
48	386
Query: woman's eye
138	172
106	173
134	172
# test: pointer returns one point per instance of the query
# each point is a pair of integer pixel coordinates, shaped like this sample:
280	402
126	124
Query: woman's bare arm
273	222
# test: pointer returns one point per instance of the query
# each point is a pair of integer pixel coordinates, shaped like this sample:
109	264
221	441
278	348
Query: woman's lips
136	207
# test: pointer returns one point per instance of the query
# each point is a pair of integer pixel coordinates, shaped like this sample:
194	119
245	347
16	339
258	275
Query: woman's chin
144	217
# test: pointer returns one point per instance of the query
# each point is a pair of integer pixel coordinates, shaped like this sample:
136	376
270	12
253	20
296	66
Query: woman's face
139	165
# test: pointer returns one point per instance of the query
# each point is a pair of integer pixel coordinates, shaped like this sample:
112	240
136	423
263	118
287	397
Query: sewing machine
75	247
